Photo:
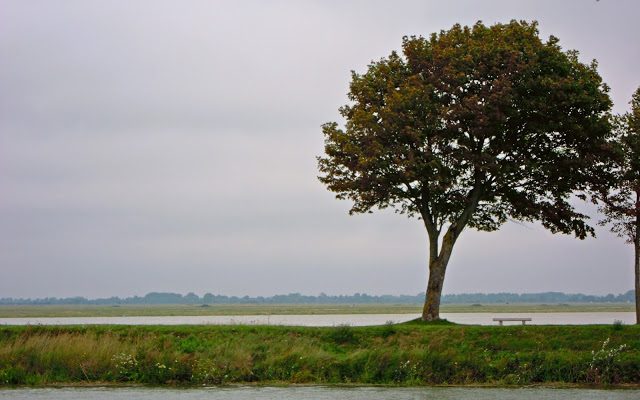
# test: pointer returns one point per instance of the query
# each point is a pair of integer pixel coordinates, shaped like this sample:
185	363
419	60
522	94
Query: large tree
621	204
468	128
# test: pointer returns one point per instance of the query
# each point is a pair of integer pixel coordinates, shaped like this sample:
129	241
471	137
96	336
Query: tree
469	128
621	204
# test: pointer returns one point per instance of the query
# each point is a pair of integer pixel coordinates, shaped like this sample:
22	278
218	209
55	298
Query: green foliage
343	334
621	202
473	125
13	376
189	345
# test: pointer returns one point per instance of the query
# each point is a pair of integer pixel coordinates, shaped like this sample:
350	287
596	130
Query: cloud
155	146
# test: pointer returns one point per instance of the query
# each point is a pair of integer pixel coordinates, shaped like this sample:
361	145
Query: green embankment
406	354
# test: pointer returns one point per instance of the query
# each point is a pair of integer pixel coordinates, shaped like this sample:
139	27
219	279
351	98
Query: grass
413	353
269	309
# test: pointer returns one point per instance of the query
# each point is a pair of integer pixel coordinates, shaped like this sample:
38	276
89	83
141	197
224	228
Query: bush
603	367
343	334
13	376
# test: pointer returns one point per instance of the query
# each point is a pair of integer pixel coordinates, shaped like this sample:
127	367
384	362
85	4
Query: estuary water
553	318
315	393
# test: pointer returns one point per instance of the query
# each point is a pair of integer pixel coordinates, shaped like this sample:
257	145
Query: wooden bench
502	319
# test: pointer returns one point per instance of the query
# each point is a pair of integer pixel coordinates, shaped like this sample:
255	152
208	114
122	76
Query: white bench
509	319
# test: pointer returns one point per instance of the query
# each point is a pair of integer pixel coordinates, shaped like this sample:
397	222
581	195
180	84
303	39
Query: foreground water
316	393
554	318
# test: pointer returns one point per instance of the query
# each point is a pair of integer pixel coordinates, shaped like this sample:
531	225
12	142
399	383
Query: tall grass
406	354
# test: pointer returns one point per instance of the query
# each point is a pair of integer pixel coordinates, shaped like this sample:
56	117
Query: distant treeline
358	298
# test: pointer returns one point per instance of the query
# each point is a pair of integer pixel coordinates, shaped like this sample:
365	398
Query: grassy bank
407	354
269	309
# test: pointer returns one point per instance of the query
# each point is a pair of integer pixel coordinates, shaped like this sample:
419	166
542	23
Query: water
316	393
555	318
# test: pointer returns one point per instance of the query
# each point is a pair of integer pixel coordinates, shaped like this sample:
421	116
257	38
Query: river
316	393
552	318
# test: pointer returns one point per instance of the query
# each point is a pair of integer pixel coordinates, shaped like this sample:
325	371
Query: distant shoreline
167	298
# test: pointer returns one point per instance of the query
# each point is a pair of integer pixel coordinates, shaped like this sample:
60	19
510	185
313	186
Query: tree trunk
637	263
637	258
437	269
439	258
431	309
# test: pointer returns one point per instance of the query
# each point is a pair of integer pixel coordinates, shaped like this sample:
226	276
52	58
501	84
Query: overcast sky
170	146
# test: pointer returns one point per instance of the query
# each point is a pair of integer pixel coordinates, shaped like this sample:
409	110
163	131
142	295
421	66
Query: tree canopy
471	127
621	202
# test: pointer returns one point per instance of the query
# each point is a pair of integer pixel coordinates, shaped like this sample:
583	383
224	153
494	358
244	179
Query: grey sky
170	146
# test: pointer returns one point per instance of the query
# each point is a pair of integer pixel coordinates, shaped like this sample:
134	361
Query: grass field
270	309
405	354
